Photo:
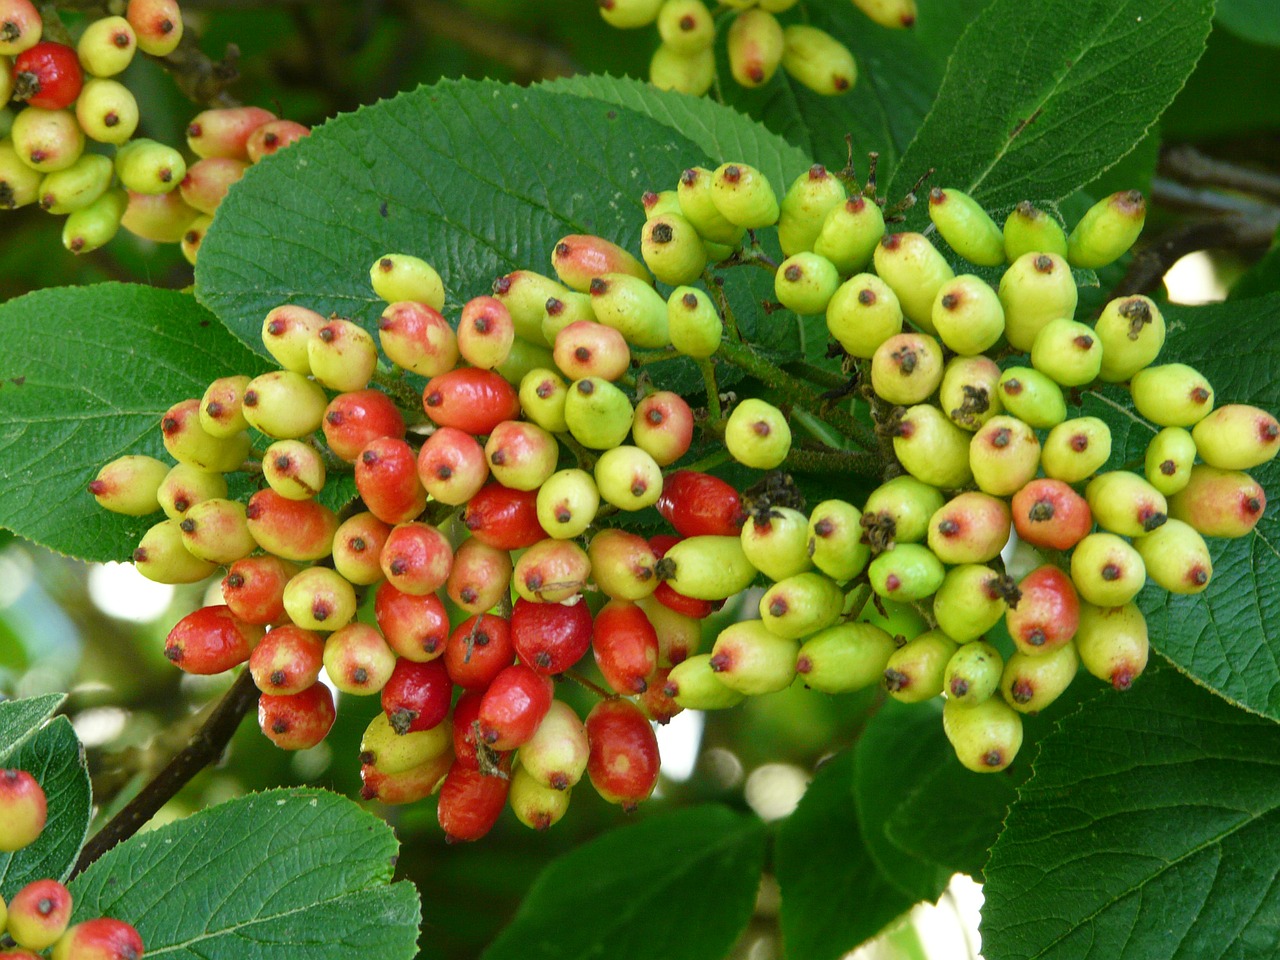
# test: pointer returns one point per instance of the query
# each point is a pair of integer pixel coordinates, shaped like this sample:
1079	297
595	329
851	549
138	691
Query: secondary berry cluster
36	919
74	101
758	44
512	470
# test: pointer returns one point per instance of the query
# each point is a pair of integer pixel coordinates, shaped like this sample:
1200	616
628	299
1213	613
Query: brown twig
529	58
1186	164
204	748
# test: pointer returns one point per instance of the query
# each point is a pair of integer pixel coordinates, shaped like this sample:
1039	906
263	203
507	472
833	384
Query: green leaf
1227	637
834	896
85	375
53	756
1254	20
273	876
21	719
1040	98
1150	830
679	886
899	747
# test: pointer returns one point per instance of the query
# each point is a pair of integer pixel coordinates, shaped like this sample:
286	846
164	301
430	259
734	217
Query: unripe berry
632	307
1112	643
469	399
19	184
287	660
210	640
417	696
967	315
932	448
187	441
672	249
399	276
47	140
757	434
221	412
693	323
1047	613
741	193
100	939
695	685
907	572
966	227
1107	230
748	658
157	23
699	208
471	802
1031	683
810	198
207	181
844	658
409	786
525	295
1177	558
130	485
1032	397
598	414
850	233
580	258
107	46
623	760
1004	455
1107	570
194	237
293	469
818	60
415	627
906	369
1237	437
1170	455
390	752
894	14
551	571
253	588
1075	449
107	112
756	44
1048	513
662	426
513	706
971	600
556	755
1037	287
20	26
916	671
1219	503
567	503
480	577
160	218
218	531
1068	352
805	283
319	599
534	804
777	543
972	528
76	187
706	568
622	564
1172	395
691	73
679	635
973	673
416	337
968	394
798	606
358	660
629	14
550	637
297	721
835	540
38	914
299	530
686	26
1132	331
161	557
503	518
985	736
628	478
342	356
284	405
915	271
1028	230
542	398
94	226
524	356
1124	503
286	331
147	166
25	809
899	511
272	137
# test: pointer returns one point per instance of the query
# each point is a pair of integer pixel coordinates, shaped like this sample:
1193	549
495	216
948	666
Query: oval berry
418	695
698	504
504	518
623	763
470	399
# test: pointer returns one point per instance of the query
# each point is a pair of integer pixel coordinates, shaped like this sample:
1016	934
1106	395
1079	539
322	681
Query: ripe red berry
470	802
38	914
452	466
297	721
658	705
416	627
504	518
293	529
698	504
623	763
663	426
514	705
480	577
625	646
470	399
211	640
667	595
416	558
1048	513
287	660
1048	612
99	939
353	420
478	650
47	76
387	478
466	712
418	695
550	637
23	809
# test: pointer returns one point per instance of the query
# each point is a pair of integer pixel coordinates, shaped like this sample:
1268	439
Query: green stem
643	358
709	462
586	459
816	374
722	304
833	461
708	370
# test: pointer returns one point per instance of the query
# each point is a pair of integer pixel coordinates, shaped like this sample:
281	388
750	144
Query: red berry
478	651
418	695
626	647
387	478
100	939
416	627
662	542
293	529
470	802
403	786
663	426
272	136
480	577
288	660
353	420
623	764
1048	513
1048	612
23	810
418	338
470	399
666	595
416	558
38	914
698	504
504	518
657	704
297	721
452	466
47	76
211	640
550	637
466	713
254	588
514	705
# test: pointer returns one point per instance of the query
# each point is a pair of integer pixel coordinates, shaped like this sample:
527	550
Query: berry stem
816	374
595	688
708	369
641	358
204	748
833	461
586	459
708	462
716	286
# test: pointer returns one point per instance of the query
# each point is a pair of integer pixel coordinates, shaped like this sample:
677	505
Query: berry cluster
72	95
758	44
503	473
36	919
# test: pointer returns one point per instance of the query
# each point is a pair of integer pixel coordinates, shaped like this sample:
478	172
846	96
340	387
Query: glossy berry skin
418	338
1112	643
161	557
1219	503
485	332
986	736
416	627
20	26
625	646
387	477
1237	437
297	721
521	455
417	558
777	544
580	258
623	762
757	434
272	137
481	575
587	349
210	640
23	809
698	503
298	530
390	752
358	659
452	466
1177	558
514	705
407	786
663	426
48	76
1107	570
1048	513
319	599
158	24
551	571
470	399
478	650
353	420
130	485
465	729
916	671
287	660
418	695
972	528
679	635
357	546
470	803
1048	612
38	914
102	938
844	658
504	518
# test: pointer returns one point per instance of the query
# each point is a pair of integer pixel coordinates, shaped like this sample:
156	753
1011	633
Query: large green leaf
680	886
85	374
1227	637
282	874
833	895
50	752
1039	98
1150	830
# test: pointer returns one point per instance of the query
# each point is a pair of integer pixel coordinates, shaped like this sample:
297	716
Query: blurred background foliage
1212	169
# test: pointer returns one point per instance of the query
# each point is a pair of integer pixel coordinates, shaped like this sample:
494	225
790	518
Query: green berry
1037	287
216	530
1176	557
184	486
915	271
932	448
862	314
835	540
916	671
628	478
898	511
536	805
319	599
1076	449
686	26
221	407
672	249
597	413
47	140
107	46
76	187
1028	230
986	736
147	166
107	111
1219	503
707	567
1107	230
1107	570
1124	503
19	184
850	233
1132	332
805	283
92	227
844	658
972	527
568	308
973	673
1112	643
632	307
804	209
663	201
543	395
1068	352
892	14
287	329
743	196
567	503
342	356
906	369
695	685
755	47
525	295
284	405
1172	395
1237	437
580	258
629	14
551	571
698	207
748	658
818	60
906	572
966	227
1003	456
293	469
1032	397
162	558
757	434
1169	459
188	443
970	602
1031	682
967	315
968	392
130	485
398	276
777	544
801	605
693	323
